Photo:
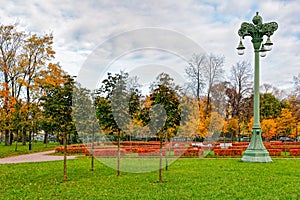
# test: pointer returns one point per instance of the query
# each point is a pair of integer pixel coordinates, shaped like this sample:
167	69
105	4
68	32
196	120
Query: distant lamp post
256	151
30	145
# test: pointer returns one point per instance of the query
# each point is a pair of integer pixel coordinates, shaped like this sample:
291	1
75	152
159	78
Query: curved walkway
33	157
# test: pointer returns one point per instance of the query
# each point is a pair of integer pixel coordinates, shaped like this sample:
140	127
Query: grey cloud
80	26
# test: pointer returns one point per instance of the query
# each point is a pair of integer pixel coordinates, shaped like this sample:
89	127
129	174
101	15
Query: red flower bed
152	153
137	143
240	143
243	148
272	143
190	152
228	152
286	148
275	152
71	149
295	152
107	152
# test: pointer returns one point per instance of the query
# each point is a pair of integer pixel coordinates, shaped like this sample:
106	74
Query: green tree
86	121
57	106
163	94
116	104
270	106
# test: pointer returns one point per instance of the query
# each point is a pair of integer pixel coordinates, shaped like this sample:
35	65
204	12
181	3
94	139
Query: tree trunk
16	148
65	156
23	137
46	138
207	110
60	138
160	160
119	155
167	159
93	140
6	138
11	138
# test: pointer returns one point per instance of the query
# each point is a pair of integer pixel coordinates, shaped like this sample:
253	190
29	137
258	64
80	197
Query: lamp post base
256	155
256	151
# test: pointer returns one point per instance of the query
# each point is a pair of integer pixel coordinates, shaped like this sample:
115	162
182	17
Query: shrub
228	152
275	152
295	152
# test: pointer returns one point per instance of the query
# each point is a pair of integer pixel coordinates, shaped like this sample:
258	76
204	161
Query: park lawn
6	151
187	178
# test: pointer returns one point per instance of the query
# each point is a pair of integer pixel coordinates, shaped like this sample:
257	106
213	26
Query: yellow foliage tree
268	127
196	123
216	123
285	122
231	126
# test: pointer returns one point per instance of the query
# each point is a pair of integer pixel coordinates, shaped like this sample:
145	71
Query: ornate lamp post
256	151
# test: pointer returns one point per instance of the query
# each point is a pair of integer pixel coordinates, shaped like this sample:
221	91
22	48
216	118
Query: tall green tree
57	106
165	118
116	104
270	106
87	125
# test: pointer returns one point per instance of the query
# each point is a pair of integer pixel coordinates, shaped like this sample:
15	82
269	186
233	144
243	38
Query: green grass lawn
6	151
187	178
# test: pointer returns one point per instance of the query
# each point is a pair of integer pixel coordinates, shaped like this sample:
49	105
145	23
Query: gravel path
33	157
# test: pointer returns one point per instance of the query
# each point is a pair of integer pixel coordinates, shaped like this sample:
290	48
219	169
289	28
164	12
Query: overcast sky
81	27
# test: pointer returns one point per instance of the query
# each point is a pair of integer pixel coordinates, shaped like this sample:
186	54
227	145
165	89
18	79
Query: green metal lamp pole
256	151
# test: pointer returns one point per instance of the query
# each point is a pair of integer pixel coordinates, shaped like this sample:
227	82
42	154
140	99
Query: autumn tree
239	89
195	74
285	122
268	127
50	81
297	85
294	104
231	127
22	56
194	124
10	43
213	74
218	98
216	124
203	71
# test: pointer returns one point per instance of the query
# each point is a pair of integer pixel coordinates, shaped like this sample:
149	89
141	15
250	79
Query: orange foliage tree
231	126
268	127
285	122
